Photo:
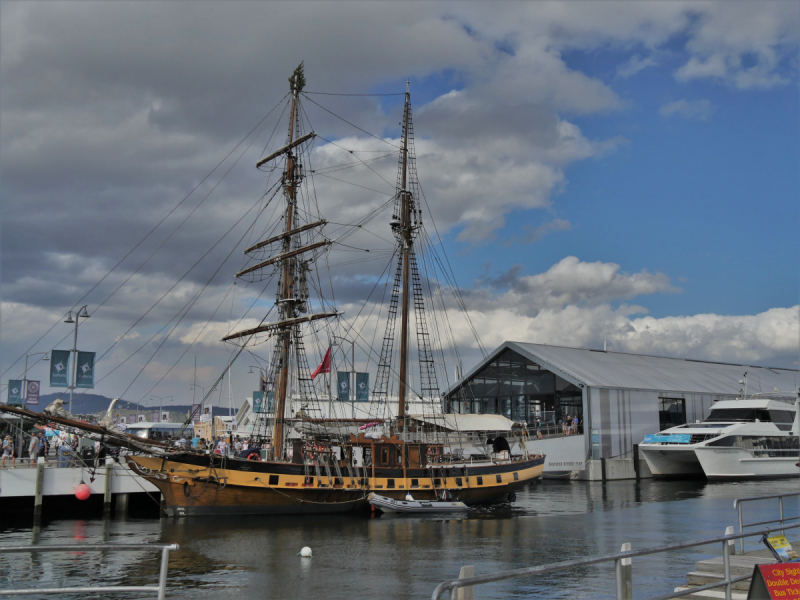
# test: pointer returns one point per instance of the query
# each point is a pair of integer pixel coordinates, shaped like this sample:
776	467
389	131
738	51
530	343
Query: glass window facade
671	412
513	386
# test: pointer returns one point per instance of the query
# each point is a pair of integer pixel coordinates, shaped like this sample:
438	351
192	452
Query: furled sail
285	255
286	148
279	325
283	236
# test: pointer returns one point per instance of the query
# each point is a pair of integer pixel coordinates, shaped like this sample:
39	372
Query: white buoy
305	552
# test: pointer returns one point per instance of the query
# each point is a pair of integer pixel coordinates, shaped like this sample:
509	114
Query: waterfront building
618	397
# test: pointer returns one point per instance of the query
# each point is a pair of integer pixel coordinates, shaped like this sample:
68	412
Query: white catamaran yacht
744	438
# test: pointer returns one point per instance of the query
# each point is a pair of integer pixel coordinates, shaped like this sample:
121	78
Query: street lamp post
25	374
82	313
352	377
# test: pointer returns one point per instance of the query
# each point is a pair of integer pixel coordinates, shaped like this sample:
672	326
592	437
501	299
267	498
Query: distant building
618	397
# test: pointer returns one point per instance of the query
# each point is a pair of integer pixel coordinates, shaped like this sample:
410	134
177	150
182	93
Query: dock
44	489
711	571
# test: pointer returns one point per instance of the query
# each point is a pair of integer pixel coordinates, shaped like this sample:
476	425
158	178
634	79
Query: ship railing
622	568
739	503
160	589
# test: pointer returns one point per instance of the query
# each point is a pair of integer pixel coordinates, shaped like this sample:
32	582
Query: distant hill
87	404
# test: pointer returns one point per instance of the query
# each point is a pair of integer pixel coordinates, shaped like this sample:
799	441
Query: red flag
324	366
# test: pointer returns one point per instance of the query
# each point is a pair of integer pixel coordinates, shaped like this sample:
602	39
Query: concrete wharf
43	489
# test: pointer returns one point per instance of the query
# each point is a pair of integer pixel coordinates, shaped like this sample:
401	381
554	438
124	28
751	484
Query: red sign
779	581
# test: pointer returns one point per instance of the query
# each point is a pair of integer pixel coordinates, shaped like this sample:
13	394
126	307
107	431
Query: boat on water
314	462
411	506
756	437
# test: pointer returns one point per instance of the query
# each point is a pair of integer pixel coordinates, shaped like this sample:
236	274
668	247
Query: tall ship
312	459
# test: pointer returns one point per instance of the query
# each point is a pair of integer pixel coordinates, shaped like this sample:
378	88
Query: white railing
161	588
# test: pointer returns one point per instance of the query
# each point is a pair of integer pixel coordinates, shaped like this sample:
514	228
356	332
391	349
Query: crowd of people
234	446
29	447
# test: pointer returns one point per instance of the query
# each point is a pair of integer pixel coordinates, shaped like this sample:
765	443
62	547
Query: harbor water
384	556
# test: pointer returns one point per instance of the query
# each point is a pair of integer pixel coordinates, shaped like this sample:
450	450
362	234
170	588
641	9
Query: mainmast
405	231
286	296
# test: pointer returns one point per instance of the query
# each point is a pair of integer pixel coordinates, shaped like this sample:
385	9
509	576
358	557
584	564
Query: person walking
8	451
44	446
33	448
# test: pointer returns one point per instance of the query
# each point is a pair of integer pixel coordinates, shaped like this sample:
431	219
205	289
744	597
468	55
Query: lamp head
69	318
84	313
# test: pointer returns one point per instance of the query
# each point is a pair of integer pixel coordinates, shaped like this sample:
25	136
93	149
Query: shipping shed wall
623	417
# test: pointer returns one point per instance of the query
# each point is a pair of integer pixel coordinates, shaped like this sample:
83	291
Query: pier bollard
37	490
107	488
468	592
624	575
731	543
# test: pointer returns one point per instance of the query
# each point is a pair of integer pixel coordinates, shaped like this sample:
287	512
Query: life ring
254	456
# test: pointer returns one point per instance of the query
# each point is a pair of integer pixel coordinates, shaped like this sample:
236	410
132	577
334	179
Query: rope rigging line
149	233
351	124
333	94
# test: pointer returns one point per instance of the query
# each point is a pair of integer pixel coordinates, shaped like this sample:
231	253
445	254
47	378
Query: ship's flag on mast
324	366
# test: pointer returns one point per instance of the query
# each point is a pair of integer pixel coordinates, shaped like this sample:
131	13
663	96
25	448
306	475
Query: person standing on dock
8	451
33	448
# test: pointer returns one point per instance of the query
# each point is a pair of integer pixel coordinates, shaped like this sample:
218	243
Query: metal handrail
619	559
737	504
162	577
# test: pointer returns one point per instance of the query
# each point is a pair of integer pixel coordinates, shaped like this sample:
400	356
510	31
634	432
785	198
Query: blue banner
270	402
343	386
85	373
59	368
666	438
258	402
32	392
362	387
14	392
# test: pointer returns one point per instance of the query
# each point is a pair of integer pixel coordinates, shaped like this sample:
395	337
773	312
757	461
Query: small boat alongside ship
751	438
412	506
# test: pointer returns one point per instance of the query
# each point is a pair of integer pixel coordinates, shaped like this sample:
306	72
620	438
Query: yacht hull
667	461
739	463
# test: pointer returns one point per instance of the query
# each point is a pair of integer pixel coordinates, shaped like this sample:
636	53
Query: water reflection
404	556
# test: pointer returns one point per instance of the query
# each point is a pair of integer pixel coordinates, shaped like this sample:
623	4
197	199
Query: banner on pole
154	416
14	392
258	402
59	368
164	417
32	392
343	385
362	387
270	402
85	377
140	418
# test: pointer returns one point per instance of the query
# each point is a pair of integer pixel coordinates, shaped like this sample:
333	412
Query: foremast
292	290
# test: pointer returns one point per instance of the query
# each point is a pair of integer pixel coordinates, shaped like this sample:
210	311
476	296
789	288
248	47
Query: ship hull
197	485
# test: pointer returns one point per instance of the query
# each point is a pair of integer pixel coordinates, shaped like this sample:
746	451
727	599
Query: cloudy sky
599	172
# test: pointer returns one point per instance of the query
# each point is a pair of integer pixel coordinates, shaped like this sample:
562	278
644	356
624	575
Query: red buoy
83	491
